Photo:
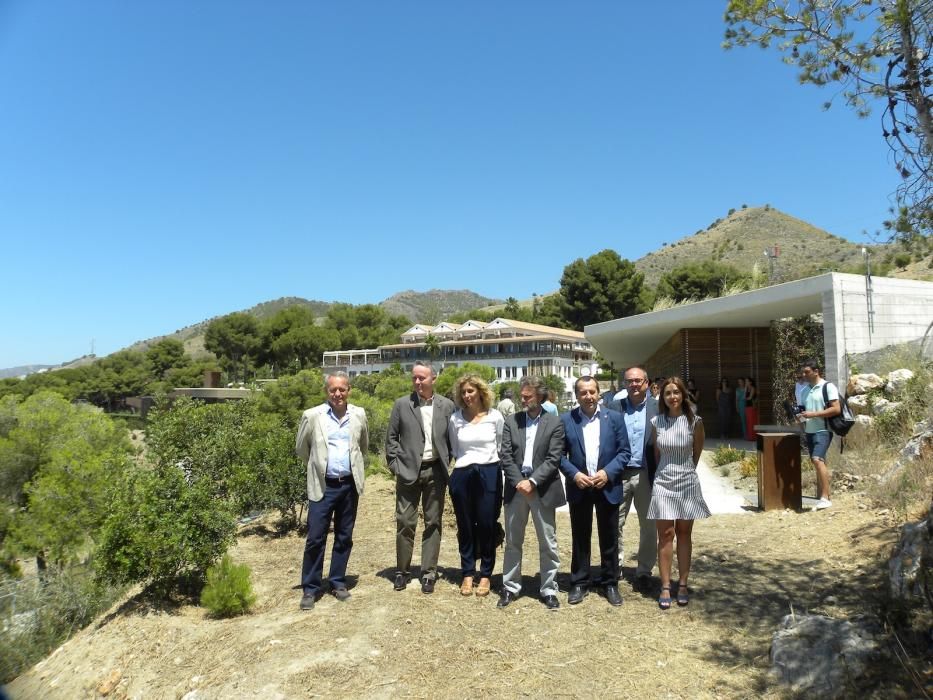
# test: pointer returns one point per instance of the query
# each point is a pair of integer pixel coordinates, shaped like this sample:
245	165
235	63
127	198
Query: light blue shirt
338	444
635	426
531	432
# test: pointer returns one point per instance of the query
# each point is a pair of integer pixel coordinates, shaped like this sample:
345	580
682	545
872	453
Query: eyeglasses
634	382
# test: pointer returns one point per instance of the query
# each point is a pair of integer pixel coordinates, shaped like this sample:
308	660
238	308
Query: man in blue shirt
638	409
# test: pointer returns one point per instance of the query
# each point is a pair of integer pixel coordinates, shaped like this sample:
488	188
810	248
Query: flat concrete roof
630	340
209	393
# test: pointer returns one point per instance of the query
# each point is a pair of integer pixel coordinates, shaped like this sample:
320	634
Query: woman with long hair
676	498
475	432
740	398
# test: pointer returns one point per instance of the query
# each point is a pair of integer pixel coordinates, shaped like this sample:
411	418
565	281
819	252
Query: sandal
683	597
466	588
664	602
483	588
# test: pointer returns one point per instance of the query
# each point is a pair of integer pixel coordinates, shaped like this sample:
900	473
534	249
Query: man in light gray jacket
332	440
418	454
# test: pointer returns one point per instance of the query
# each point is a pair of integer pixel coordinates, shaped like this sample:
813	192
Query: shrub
228	591
37	617
749	466
727	454
162	527
724	471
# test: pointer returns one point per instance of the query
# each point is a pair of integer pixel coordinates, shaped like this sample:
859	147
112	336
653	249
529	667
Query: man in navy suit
637	409
597	451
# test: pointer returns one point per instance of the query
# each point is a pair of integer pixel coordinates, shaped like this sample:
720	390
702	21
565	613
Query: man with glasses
638	409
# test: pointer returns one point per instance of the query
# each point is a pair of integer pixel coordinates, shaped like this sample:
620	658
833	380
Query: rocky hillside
741	238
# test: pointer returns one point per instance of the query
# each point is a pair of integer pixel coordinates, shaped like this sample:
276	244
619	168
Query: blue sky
165	162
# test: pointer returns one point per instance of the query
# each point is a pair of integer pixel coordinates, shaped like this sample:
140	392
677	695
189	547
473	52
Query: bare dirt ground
749	571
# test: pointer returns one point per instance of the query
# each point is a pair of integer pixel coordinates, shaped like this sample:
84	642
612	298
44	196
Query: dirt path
749	571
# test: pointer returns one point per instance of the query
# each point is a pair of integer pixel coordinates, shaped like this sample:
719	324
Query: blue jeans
338	503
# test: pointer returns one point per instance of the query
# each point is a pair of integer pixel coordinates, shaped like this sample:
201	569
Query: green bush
749	466
162	527
228	591
726	454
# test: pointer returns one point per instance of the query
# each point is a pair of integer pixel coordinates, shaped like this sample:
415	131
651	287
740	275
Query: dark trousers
429	491
581	534
476	494
338	504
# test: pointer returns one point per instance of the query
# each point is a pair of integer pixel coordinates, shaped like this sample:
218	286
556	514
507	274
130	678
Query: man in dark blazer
418	454
532	446
596	452
637	409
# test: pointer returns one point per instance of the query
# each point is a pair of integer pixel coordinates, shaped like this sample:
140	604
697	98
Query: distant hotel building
513	348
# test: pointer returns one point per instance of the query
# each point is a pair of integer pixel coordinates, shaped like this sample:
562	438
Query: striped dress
676	493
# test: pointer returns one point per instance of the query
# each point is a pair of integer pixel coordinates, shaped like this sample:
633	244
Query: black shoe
307	601
401	582
505	598
427	585
613	595
577	594
550	602
341	594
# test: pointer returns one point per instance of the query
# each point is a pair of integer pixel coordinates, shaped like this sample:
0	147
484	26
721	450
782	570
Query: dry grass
749	571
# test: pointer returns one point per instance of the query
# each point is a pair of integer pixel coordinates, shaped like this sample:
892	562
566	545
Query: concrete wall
903	310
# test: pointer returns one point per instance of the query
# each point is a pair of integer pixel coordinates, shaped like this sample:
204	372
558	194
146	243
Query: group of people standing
636	450
743	400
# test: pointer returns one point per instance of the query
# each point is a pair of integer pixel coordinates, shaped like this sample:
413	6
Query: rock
859	405
920	446
106	686
863	383
897	382
881	406
845	482
911	564
861	428
820	656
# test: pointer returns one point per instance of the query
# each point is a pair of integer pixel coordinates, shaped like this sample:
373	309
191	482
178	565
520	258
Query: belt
431	463
338	480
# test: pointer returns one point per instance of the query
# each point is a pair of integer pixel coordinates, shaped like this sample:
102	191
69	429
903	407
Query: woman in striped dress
676	498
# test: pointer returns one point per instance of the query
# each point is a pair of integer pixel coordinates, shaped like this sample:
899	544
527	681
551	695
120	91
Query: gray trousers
429	490
516	520
636	488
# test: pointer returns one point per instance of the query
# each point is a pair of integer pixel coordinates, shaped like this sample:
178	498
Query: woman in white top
475	432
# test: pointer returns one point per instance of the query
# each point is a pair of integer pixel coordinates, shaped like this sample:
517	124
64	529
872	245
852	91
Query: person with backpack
821	402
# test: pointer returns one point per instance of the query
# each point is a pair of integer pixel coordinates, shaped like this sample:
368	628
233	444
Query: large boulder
861	429
897	382
863	383
920	446
911	566
859	405
821	657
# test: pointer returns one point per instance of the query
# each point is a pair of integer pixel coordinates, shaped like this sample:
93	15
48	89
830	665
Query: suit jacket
405	436
311	446
614	452
651	410
547	451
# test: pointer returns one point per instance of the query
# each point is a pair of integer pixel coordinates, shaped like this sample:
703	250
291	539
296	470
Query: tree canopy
879	53
698	280
600	288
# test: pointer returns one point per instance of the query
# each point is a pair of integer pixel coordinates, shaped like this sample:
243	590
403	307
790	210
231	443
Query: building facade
513	348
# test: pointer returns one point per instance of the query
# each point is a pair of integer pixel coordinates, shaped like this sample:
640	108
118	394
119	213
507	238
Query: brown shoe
483	588
466	588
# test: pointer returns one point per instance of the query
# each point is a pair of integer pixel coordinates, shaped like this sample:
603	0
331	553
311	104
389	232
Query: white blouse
475	443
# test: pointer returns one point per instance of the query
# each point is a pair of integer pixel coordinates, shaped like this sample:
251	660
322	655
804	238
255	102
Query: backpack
841	423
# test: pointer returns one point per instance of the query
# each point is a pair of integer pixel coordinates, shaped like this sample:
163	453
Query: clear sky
165	161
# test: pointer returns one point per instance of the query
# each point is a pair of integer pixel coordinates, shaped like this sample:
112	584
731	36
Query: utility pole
771	253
